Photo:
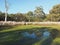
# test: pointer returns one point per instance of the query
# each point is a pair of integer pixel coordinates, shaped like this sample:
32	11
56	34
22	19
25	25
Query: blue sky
23	6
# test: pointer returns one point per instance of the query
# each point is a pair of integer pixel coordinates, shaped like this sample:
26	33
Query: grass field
12	35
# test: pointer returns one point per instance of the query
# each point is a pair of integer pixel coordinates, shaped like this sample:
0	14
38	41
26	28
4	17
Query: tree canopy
54	14
37	15
55	9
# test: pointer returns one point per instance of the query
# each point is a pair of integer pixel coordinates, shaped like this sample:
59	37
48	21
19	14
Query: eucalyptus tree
6	8
39	13
29	15
55	9
54	13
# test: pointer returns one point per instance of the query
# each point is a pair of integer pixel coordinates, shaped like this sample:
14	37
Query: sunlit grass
56	41
20	27
29	27
13	35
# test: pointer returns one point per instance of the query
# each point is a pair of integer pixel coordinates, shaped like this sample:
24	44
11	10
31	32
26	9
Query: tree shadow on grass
3	27
48	41
16	38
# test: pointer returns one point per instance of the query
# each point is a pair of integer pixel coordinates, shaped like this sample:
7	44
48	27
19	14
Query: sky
23	6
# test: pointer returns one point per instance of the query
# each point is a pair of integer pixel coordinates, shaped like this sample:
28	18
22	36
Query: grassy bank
12	35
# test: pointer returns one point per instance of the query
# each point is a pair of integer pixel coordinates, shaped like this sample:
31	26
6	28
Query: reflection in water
34	35
28	35
46	34
42	36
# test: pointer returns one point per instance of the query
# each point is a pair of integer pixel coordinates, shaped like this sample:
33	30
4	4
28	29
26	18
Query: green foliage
2	16
54	14
37	15
38	12
29	16
53	17
56	41
55	9
19	17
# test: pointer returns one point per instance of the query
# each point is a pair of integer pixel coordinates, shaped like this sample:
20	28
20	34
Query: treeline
38	15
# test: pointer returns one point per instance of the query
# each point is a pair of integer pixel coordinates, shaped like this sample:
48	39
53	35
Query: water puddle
28	35
46	34
34	35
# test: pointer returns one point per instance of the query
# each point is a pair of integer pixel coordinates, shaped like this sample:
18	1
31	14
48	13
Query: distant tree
39	14
29	15
11	17
2	16
19	17
54	14
53	17
55	9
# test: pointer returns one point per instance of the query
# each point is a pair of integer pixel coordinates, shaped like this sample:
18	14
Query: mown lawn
13	35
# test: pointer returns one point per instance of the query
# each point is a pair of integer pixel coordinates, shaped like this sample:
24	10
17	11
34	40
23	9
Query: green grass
19	28
29	27
56	41
12	36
